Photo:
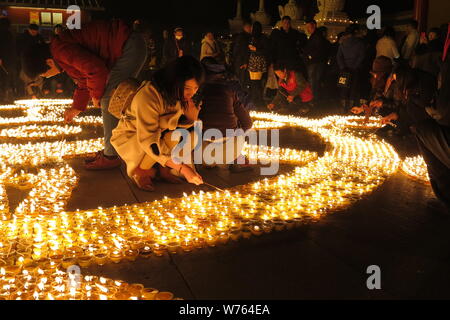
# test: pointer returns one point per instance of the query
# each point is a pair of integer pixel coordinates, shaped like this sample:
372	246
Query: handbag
122	97
344	79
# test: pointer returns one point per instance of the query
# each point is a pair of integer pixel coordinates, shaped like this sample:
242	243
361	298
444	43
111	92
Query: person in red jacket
98	58
294	92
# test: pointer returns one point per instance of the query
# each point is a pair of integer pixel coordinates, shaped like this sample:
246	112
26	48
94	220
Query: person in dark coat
98	58
350	58
317	54
223	110
286	46
30	37
176	46
8	62
434	138
241	54
428	54
258	63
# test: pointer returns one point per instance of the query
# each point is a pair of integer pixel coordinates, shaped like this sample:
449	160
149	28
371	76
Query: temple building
45	13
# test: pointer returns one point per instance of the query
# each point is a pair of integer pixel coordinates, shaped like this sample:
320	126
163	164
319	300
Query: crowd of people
368	71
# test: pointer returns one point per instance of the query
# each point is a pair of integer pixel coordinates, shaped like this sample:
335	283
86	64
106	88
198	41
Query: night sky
214	14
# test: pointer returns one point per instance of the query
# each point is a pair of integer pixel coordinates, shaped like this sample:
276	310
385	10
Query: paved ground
391	228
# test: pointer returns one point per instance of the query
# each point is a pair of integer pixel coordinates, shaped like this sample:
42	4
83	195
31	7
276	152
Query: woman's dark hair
281	66
34	60
257	29
170	80
389	32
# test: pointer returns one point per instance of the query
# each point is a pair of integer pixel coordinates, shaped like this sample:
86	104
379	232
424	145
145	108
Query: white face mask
179	37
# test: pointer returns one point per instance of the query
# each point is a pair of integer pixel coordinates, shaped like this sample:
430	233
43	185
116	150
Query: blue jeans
316	72
129	65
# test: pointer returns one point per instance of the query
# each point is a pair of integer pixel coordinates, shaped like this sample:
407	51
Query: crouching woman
144	137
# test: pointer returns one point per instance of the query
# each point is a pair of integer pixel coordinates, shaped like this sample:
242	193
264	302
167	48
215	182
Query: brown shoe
94	157
103	163
143	179
167	176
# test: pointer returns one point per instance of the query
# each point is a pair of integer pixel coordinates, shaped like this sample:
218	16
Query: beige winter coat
209	49
141	128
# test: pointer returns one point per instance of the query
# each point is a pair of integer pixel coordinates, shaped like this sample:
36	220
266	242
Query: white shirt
387	47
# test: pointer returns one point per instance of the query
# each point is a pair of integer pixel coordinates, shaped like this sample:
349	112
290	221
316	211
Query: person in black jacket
177	46
258	63
25	41
317	53
241	54
8	69
428	53
434	139
350	58
286	46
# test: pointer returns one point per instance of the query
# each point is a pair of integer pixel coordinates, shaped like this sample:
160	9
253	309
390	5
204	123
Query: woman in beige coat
143	137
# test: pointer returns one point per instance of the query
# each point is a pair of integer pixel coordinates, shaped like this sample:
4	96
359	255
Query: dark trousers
434	143
292	107
316	72
244	78
353	92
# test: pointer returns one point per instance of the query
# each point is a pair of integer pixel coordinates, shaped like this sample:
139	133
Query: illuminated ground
391	228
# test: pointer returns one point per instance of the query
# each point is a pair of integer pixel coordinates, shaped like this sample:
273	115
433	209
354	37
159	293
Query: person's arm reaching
92	73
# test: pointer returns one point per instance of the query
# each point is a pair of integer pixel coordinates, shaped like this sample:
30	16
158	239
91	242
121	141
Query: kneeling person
144	137
294	91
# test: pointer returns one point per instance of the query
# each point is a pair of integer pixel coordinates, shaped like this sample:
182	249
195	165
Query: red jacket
296	85
88	55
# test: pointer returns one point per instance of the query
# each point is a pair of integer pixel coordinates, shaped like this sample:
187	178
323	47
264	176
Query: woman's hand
388	119
96	103
192	111
376	104
357	110
191	176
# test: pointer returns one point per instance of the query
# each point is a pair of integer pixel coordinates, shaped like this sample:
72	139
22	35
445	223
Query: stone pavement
391	228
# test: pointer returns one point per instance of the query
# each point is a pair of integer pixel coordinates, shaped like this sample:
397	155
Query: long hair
170	80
